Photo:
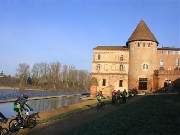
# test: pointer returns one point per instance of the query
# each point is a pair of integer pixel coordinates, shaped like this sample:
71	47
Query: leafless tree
54	75
23	73
65	75
72	76
83	79
40	73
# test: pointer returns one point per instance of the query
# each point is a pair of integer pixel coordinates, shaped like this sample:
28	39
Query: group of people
117	95
99	96
20	104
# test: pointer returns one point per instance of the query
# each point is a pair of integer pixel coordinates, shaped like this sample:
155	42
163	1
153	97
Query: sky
66	31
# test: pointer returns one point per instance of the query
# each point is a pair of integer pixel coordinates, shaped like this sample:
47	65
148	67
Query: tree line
52	76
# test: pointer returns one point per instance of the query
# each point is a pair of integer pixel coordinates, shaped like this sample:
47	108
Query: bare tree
40	73
65	75
83	79
54	75
23	73
72	76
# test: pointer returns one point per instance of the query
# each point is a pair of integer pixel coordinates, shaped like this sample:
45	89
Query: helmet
25	95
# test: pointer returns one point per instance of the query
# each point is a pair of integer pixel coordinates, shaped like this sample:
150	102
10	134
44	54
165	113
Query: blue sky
34	31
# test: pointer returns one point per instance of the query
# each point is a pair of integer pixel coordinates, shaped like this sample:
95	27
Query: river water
64	99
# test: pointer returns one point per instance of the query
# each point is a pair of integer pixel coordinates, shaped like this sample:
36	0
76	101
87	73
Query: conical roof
142	33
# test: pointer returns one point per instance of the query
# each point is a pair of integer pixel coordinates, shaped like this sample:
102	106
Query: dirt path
62	125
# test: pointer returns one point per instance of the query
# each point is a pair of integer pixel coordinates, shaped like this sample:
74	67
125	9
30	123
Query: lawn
151	115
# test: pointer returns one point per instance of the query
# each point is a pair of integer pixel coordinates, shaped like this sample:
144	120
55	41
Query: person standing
114	93
124	96
119	96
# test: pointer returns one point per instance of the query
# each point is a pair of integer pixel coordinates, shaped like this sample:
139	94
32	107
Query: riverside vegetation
153	114
44	76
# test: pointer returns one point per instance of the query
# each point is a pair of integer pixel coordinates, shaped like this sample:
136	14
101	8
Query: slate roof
110	48
142	33
169	48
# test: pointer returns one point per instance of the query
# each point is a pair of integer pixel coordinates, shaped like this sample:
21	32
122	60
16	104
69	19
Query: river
64	99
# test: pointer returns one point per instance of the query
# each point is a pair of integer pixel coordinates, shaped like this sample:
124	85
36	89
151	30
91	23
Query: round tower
142	58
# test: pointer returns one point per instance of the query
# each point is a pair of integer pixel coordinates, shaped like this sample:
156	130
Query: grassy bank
151	115
72	112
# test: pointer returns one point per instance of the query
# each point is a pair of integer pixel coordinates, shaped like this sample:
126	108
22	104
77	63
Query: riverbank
43	115
55	127
16	88
37	89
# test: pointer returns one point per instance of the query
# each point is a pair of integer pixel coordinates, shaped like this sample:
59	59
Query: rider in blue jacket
19	106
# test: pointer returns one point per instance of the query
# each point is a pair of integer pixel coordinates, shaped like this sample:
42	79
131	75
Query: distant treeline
52	76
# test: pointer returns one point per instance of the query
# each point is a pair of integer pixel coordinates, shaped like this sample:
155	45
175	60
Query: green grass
72	112
151	115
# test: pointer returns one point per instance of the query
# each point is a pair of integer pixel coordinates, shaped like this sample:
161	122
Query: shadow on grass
72	112
153	114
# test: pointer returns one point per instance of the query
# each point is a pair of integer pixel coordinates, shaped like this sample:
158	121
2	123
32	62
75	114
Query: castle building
139	64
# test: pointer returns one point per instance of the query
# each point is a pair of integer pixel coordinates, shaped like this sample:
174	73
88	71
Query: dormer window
138	44
143	44
99	56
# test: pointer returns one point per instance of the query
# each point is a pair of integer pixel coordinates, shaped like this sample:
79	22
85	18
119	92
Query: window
120	83
121	67
145	66
161	68
167	52
113	67
161	61
176	68
142	83
104	82
106	57
143	44
138	44
106	67
121	57
161	52
173	52
148	44
177	62
99	56
98	67
178	52
114	57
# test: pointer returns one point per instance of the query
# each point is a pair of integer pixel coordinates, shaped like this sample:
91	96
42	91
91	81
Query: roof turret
142	33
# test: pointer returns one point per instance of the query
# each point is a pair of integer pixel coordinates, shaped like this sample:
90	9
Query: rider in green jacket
19	106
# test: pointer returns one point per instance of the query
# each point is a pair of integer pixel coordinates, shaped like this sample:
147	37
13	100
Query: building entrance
142	84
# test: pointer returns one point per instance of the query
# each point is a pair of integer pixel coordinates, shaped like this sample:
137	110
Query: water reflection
43	104
13	94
